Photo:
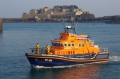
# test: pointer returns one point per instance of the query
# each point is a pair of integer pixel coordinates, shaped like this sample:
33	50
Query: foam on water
69	66
80	65
114	58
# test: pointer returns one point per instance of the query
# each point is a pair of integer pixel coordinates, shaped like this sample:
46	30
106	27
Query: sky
100	8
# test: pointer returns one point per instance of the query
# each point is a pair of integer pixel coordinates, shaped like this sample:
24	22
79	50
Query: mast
72	27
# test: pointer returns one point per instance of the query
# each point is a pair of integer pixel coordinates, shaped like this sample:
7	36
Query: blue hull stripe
38	60
67	59
56	62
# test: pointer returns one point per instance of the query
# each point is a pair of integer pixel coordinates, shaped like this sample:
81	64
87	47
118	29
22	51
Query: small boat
70	49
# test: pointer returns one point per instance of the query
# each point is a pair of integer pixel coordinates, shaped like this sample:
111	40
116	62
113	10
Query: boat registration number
48	60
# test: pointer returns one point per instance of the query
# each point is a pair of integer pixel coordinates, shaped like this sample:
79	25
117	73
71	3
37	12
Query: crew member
37	48
48	49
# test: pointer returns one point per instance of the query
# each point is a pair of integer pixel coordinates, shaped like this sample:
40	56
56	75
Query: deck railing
42	50
102	50
43	53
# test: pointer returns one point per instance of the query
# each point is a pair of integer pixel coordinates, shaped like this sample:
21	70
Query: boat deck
103	51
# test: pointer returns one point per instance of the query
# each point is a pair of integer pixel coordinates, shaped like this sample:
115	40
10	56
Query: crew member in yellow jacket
37	48
48	49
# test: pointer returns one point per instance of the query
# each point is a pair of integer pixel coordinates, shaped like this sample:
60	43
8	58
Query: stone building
57	13
33	11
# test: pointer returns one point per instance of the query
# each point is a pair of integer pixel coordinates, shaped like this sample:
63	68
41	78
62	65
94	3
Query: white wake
114	58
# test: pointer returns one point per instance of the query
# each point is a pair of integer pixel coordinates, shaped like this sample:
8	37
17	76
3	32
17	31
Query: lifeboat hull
46	60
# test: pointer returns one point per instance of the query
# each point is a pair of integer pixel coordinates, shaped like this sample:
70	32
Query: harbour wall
1	25
107	19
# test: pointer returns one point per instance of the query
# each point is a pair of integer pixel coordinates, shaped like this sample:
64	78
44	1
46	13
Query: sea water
17	38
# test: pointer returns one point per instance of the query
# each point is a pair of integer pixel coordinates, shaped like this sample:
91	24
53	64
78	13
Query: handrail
43	53
42	50
103	49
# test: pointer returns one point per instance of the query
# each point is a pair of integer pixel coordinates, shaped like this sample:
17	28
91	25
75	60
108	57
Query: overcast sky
15	8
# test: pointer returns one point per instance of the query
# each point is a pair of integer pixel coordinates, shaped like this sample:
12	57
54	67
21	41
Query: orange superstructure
71	43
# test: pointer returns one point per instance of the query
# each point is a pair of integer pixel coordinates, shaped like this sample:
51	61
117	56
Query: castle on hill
58	13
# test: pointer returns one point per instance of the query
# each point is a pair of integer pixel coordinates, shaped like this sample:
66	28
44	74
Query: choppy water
17	38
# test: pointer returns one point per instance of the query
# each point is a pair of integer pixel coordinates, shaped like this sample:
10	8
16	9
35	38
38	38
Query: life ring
92	44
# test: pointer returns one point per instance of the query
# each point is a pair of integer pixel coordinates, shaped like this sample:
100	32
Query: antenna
73	20
64	21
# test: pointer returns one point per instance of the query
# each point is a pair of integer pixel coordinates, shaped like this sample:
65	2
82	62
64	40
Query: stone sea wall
1	25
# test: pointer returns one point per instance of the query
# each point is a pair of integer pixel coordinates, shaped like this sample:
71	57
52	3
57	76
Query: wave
114	58
80	65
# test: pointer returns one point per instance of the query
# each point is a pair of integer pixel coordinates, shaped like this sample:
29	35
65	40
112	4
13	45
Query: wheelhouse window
61	44
65	44
69	44
72	44
81	45
61	37
57	44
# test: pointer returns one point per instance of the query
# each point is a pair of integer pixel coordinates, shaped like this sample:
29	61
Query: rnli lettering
48	60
